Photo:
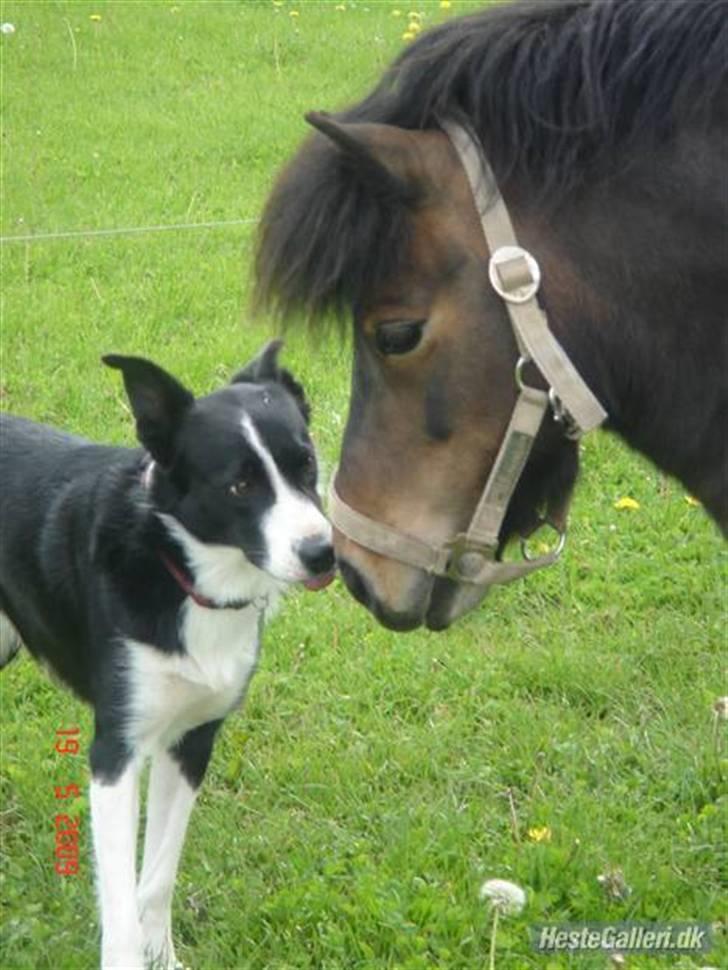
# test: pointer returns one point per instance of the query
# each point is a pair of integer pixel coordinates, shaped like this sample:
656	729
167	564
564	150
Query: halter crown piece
470	557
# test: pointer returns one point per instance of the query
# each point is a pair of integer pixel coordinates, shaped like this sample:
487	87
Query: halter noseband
514	274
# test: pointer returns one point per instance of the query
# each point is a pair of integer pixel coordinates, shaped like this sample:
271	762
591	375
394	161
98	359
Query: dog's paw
159	952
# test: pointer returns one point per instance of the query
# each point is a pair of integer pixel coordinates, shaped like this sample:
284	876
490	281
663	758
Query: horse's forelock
327	238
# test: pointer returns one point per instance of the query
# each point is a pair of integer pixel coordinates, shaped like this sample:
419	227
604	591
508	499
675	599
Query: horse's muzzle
400	620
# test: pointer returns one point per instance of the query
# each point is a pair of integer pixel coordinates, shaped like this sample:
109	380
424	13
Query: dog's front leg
114	817
174	781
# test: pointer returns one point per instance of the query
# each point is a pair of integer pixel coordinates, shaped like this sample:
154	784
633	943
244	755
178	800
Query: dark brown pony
606	126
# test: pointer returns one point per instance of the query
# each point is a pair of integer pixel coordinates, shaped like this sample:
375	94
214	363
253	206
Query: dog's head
235	469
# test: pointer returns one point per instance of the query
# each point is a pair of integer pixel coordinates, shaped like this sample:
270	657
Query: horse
599	129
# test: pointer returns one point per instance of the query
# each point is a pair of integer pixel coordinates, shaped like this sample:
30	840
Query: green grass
372	781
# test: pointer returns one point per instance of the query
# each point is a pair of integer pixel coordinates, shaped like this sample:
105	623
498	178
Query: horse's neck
640	296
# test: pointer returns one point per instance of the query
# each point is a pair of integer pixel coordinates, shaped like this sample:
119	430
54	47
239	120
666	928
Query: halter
470	556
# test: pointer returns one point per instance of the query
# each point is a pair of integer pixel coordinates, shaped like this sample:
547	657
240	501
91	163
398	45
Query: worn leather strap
527	318
477	566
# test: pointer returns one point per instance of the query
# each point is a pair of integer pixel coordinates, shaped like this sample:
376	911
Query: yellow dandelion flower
95	17
413	15
691	500
539	833
626	502
409	35
294	13
445	4
414	27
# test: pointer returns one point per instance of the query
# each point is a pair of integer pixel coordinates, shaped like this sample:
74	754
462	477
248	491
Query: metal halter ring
562	416
555	552
520	364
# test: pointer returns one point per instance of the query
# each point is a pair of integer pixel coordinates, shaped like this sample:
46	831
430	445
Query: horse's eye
239	488
398	336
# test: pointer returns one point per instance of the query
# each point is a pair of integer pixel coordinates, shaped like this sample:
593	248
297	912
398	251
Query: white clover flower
505	897
7	28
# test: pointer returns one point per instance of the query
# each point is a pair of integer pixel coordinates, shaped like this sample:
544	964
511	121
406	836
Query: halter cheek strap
514	274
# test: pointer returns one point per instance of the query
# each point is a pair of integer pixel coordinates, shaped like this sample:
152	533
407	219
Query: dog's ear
158	402
265	367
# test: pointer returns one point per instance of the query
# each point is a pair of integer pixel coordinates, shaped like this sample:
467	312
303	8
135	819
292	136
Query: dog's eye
398	336
240	488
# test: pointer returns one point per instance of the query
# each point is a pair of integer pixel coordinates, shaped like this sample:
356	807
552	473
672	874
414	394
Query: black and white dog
142	578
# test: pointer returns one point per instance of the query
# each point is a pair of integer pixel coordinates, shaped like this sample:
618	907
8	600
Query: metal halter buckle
522	287
467	558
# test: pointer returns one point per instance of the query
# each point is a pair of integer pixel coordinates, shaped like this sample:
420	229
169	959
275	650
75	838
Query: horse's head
601	122
433	383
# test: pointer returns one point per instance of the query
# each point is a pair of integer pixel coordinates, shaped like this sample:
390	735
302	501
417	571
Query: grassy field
564	731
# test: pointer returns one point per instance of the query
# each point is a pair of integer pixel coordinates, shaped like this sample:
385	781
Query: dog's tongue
319	582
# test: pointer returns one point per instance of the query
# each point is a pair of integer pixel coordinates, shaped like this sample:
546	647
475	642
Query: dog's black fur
89	566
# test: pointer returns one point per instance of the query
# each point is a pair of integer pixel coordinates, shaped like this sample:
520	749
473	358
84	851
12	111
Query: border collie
142	578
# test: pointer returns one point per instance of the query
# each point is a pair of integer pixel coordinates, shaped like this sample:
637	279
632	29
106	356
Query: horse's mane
558	91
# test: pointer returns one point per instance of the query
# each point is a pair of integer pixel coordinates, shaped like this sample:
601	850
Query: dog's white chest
171	694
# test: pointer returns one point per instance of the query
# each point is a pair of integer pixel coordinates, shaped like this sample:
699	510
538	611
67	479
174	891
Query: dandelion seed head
508	898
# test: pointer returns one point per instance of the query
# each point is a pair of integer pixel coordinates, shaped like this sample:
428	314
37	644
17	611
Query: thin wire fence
124	231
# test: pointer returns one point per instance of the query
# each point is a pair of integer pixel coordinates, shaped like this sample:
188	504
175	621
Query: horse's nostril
317	555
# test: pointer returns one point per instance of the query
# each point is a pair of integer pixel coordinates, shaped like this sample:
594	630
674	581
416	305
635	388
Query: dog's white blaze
148	475
291	519
10	641
114	817
169	802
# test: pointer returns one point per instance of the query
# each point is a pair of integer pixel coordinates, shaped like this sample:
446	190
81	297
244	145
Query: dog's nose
317	555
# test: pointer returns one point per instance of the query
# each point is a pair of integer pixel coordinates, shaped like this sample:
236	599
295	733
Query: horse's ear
380	154
158	402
